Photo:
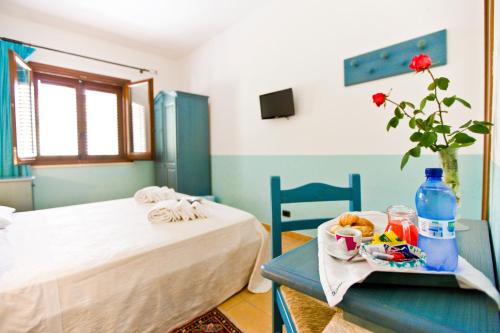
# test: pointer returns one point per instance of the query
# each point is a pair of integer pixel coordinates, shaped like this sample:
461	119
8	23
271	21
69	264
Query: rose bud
379	99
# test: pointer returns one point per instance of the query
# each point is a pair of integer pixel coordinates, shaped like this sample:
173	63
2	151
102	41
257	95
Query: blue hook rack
395	59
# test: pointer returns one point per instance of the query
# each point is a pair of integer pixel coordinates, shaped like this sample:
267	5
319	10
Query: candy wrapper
388	237
401	253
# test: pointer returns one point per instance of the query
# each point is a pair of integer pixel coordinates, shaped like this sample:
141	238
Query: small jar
402	220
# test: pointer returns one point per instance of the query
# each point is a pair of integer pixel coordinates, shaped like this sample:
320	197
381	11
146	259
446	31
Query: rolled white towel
6	216
175	210
152	194
163	211
185	211
164	193
144	195
198	210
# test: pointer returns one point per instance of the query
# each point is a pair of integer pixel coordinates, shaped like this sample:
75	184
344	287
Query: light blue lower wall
495	214
62	186
243	181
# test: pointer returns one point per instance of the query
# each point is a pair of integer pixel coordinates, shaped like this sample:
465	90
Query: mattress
102	267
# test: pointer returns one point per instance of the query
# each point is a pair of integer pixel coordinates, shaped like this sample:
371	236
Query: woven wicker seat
309	315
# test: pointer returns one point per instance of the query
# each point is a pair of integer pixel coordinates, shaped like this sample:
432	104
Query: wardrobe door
193	144
160	141
170	134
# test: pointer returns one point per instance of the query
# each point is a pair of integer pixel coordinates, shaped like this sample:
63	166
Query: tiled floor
252	312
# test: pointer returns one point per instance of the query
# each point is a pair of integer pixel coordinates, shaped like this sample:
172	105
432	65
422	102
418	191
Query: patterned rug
211	322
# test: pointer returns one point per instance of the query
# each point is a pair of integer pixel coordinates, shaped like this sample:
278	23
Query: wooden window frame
130	143
81	81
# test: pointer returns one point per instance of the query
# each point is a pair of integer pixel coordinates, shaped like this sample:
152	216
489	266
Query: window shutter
22	110
140	120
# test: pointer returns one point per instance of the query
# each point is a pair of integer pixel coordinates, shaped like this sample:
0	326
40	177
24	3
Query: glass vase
448	158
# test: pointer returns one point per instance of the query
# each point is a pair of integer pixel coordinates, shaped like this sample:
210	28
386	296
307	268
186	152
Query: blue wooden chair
313	192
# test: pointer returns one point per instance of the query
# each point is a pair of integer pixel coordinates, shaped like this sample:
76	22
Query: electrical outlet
286	213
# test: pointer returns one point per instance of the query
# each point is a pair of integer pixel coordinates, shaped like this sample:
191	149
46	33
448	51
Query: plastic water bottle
436	209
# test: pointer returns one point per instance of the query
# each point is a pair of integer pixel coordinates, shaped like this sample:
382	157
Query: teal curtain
7	167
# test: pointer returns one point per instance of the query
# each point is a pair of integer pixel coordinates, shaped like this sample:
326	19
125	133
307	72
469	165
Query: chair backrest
313	192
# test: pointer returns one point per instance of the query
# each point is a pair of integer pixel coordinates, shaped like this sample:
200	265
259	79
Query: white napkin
338	276
6	216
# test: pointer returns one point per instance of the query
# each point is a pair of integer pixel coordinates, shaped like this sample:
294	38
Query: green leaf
448	101
442	129
415	112
398	113
392	123
466	124
413	123
415	137
432	86
428	139
415	152
402	105
422	103
421	124
486	123
463	138
411	105
479	129
464	102
431	97
442	83
404	160
430	120
460	145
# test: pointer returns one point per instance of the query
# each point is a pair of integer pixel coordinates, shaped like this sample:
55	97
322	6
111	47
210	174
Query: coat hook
354	63
421	44
384	55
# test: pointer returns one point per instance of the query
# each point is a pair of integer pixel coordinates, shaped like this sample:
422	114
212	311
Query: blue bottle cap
434	172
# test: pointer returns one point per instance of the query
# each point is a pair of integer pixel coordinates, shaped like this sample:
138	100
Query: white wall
302	44
22	29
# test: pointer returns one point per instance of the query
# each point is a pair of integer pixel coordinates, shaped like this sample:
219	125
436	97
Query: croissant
350	220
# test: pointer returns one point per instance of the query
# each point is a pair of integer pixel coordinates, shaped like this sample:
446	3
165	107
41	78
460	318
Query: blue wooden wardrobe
182	142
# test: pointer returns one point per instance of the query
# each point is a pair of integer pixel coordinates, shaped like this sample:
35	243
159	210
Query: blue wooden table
392	307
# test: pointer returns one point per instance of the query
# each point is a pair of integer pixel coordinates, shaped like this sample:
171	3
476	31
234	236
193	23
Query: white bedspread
103	267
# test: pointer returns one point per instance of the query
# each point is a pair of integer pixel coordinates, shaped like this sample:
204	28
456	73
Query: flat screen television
277	104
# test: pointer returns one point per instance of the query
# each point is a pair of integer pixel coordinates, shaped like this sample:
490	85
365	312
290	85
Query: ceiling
167	27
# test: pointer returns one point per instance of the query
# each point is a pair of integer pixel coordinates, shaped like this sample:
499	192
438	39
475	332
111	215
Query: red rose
420	62
379	99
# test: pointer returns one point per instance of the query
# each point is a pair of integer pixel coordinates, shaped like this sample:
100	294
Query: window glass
101	109
57	120
139	135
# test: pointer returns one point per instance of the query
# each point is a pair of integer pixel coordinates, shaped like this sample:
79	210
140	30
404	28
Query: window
64	116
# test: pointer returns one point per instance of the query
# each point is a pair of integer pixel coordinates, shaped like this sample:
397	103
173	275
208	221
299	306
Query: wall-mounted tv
277	104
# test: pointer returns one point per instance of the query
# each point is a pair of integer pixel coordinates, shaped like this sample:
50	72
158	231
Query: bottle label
440	229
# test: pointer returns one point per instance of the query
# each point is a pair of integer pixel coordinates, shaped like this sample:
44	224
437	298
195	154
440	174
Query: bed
102	267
